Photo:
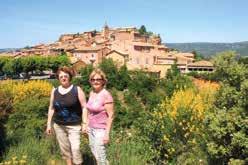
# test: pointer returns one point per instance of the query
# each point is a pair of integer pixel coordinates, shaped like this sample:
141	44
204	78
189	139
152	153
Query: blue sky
30	22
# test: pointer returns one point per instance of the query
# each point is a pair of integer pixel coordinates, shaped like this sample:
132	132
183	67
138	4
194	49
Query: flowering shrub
177	125
16	91
23	109
207	91
6	97
24	90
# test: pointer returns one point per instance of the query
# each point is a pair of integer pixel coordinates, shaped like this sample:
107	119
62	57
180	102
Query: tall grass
128	149
33	151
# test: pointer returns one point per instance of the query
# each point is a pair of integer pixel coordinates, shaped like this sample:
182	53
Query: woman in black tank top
66	113
67	107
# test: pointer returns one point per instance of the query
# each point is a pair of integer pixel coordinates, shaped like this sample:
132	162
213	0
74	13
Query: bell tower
106	31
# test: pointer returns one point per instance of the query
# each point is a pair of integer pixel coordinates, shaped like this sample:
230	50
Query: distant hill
8	50
209	49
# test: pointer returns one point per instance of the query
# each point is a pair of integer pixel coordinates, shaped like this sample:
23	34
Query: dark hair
67	70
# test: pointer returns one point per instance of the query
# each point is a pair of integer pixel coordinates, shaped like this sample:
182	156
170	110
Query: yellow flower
24	156
53	162
23	90
22	161
166	155
8	162
194	141
186	135
15	162
165	138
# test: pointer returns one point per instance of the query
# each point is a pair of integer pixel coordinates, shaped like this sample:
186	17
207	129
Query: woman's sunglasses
96	79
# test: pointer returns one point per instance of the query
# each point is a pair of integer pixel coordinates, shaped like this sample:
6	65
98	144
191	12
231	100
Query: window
138	48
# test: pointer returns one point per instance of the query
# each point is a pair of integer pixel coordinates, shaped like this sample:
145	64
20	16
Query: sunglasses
96	79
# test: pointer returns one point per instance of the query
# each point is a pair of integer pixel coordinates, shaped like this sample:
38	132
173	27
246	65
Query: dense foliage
15	66
227	123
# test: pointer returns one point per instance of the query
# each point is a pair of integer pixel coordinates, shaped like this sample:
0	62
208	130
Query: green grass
33	151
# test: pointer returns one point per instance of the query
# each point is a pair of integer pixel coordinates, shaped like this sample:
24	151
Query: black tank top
68	110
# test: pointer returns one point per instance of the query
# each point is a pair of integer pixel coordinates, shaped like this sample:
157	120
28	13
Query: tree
244	60
175	81
198	56
8	68
27	47
123	77
3	61
84	79
173	72
41	63
110	69
28	64
55	62
142	30
229	70
227	123
17	66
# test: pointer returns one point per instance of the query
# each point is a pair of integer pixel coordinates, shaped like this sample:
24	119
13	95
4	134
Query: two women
68	108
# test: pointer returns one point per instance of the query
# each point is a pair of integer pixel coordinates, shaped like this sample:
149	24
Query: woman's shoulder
77	87
55	89
105	91
107	95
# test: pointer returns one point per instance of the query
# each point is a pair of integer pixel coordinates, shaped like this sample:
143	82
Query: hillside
209	49
8	49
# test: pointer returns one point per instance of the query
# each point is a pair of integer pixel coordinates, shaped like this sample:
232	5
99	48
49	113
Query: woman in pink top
100	116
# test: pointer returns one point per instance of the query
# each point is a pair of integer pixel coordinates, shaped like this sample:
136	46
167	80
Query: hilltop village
125	45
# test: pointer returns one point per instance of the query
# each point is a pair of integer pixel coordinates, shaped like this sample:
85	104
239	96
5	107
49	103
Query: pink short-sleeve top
95	105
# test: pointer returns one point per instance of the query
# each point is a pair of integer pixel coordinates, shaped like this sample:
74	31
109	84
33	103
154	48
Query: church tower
106	31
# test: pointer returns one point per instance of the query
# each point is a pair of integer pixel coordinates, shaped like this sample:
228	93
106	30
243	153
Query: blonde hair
99	72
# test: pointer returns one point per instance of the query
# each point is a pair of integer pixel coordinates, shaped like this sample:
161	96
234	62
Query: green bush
28	119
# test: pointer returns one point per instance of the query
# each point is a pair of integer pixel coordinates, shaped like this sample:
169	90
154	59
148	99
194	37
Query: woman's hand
85	129
106	139
48	130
